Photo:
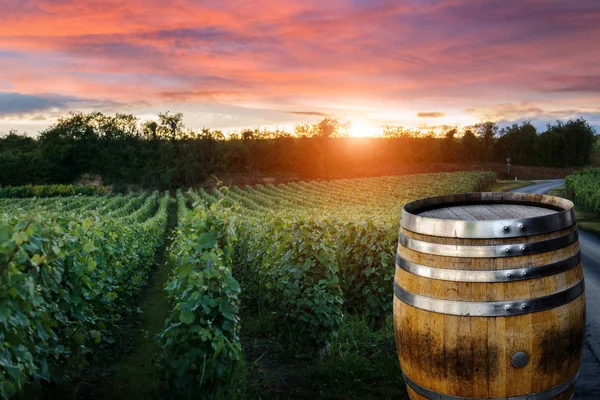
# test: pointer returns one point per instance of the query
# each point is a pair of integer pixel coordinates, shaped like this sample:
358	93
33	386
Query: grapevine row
68	275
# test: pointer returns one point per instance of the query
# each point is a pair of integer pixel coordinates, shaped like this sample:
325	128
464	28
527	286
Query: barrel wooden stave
486	242
479	291
487	264
467	356
471	356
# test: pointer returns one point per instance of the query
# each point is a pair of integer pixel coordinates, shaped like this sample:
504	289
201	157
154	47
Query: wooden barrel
489	297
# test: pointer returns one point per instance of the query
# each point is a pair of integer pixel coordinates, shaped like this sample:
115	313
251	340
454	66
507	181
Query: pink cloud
453	54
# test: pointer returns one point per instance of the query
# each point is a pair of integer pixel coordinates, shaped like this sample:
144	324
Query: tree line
163	154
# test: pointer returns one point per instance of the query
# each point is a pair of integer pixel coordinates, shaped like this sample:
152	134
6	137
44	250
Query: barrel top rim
563	218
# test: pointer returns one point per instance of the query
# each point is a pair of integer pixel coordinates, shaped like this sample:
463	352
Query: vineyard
295	277
584	188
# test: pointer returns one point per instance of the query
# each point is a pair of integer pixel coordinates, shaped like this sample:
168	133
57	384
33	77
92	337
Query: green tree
578	138
549	149
486	132
326	128
400	132
171	126
469	146
518	142
449	146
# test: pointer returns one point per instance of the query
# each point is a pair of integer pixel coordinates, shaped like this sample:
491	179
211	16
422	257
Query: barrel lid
488	215
486	212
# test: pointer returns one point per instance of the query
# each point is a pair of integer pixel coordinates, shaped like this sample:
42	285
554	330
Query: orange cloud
430	114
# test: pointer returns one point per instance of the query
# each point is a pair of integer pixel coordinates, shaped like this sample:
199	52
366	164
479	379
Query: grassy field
504	185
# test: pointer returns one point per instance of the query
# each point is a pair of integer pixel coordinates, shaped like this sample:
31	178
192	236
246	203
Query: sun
361	128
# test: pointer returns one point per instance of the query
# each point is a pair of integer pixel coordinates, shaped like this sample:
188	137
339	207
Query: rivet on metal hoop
522	248
508	275
521	226
524	273
506	250
523	306
505	228
507	307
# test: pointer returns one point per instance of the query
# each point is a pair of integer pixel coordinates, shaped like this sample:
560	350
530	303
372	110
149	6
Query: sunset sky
234	64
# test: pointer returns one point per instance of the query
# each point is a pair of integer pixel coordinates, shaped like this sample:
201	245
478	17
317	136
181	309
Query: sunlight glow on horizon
361	128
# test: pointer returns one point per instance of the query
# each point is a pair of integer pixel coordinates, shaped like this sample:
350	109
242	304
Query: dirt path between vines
136	375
